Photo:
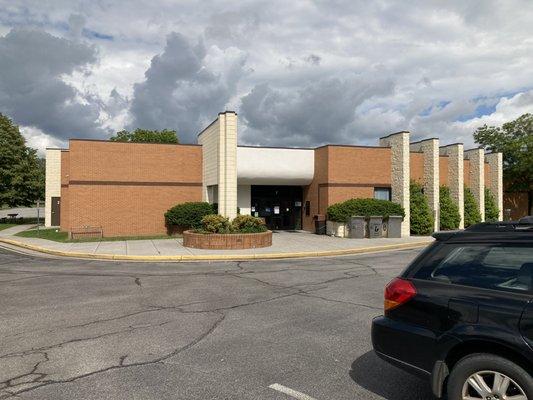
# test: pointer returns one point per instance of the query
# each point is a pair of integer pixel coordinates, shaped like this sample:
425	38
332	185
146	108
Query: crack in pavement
48	382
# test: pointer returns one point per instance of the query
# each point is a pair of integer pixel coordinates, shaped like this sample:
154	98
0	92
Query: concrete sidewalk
284	245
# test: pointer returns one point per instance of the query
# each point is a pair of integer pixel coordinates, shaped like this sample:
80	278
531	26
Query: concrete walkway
284	245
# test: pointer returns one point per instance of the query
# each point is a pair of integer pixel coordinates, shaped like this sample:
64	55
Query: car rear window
499	267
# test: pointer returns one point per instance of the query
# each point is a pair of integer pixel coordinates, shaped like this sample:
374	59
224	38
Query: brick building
125	188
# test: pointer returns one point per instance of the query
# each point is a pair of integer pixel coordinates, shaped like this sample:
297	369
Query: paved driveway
80	329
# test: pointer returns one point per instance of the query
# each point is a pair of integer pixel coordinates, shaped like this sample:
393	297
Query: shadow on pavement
375	375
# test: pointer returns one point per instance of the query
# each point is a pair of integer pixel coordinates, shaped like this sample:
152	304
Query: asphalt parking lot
86	329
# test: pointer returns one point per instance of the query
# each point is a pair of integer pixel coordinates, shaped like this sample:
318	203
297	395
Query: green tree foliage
421	215
515	140
341	212
146	136
21	171
188	215
472	214
492	213
449	211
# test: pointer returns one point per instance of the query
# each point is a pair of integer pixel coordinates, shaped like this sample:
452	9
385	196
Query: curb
218	257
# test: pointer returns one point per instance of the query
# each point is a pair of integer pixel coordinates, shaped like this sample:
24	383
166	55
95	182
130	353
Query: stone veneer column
495	161
52	186
219	155
399	144
477	177
455	153
430	150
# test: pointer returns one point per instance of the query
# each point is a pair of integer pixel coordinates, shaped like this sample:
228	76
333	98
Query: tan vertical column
455	153
430	150
495	161
399	144
219	163
477	177
52	187
227	178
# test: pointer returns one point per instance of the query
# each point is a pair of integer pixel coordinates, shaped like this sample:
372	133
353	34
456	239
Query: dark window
499	267
382	193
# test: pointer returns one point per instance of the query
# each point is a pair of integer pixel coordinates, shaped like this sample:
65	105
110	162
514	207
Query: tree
472	214
421	215
515	140
449	211
492	213
21	171
146	136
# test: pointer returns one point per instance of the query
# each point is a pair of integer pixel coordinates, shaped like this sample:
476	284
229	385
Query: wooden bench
86	232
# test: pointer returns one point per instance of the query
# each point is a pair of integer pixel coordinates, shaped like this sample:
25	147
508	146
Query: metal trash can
357	227
375	227
320	224
395	226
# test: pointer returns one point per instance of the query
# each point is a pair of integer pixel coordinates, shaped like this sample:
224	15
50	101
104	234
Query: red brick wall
126	187
416	167
466	172
345	172
443	171
517	202
487	175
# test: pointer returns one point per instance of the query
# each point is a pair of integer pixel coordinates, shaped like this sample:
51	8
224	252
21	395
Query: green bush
248	224
188	215
472	215
492	213
341	212
449	211
215	224
421	215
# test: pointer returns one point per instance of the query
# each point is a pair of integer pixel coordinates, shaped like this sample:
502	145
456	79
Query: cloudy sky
299	73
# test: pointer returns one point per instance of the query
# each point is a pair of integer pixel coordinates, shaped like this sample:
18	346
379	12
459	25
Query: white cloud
445	61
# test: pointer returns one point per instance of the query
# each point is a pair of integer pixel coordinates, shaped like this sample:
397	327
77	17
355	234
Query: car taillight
398	292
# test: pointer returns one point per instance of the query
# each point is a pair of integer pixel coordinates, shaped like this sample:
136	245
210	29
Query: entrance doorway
280	206
56	211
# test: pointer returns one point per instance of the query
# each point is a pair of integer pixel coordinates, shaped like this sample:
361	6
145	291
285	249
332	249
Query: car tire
486	364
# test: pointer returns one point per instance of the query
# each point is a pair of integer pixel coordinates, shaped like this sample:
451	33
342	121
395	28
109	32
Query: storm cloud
32	90
299	73
186	86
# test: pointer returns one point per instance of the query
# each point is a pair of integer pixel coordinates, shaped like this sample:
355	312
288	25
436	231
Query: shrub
472	215
421	215
449	211
215	223
248	224
341	212
492	213
188	215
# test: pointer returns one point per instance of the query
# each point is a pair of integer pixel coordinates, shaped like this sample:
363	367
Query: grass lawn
57	236
5	226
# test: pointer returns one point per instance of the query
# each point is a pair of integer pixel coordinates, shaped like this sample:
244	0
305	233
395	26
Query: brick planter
230	241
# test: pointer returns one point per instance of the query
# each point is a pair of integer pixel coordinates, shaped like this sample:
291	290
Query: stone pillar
219	166
52	187
430	150
455	153
477	177
399	144
495	161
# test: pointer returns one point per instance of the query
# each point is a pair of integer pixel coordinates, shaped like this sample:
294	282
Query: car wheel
489	377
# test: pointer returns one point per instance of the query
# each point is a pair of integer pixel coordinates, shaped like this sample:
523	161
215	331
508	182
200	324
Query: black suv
461	314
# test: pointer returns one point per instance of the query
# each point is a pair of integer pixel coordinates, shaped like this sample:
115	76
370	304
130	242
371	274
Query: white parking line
290	392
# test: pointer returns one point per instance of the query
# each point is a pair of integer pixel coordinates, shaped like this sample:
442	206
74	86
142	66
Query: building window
382	193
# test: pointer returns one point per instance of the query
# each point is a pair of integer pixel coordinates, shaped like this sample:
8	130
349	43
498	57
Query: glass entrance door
280	206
